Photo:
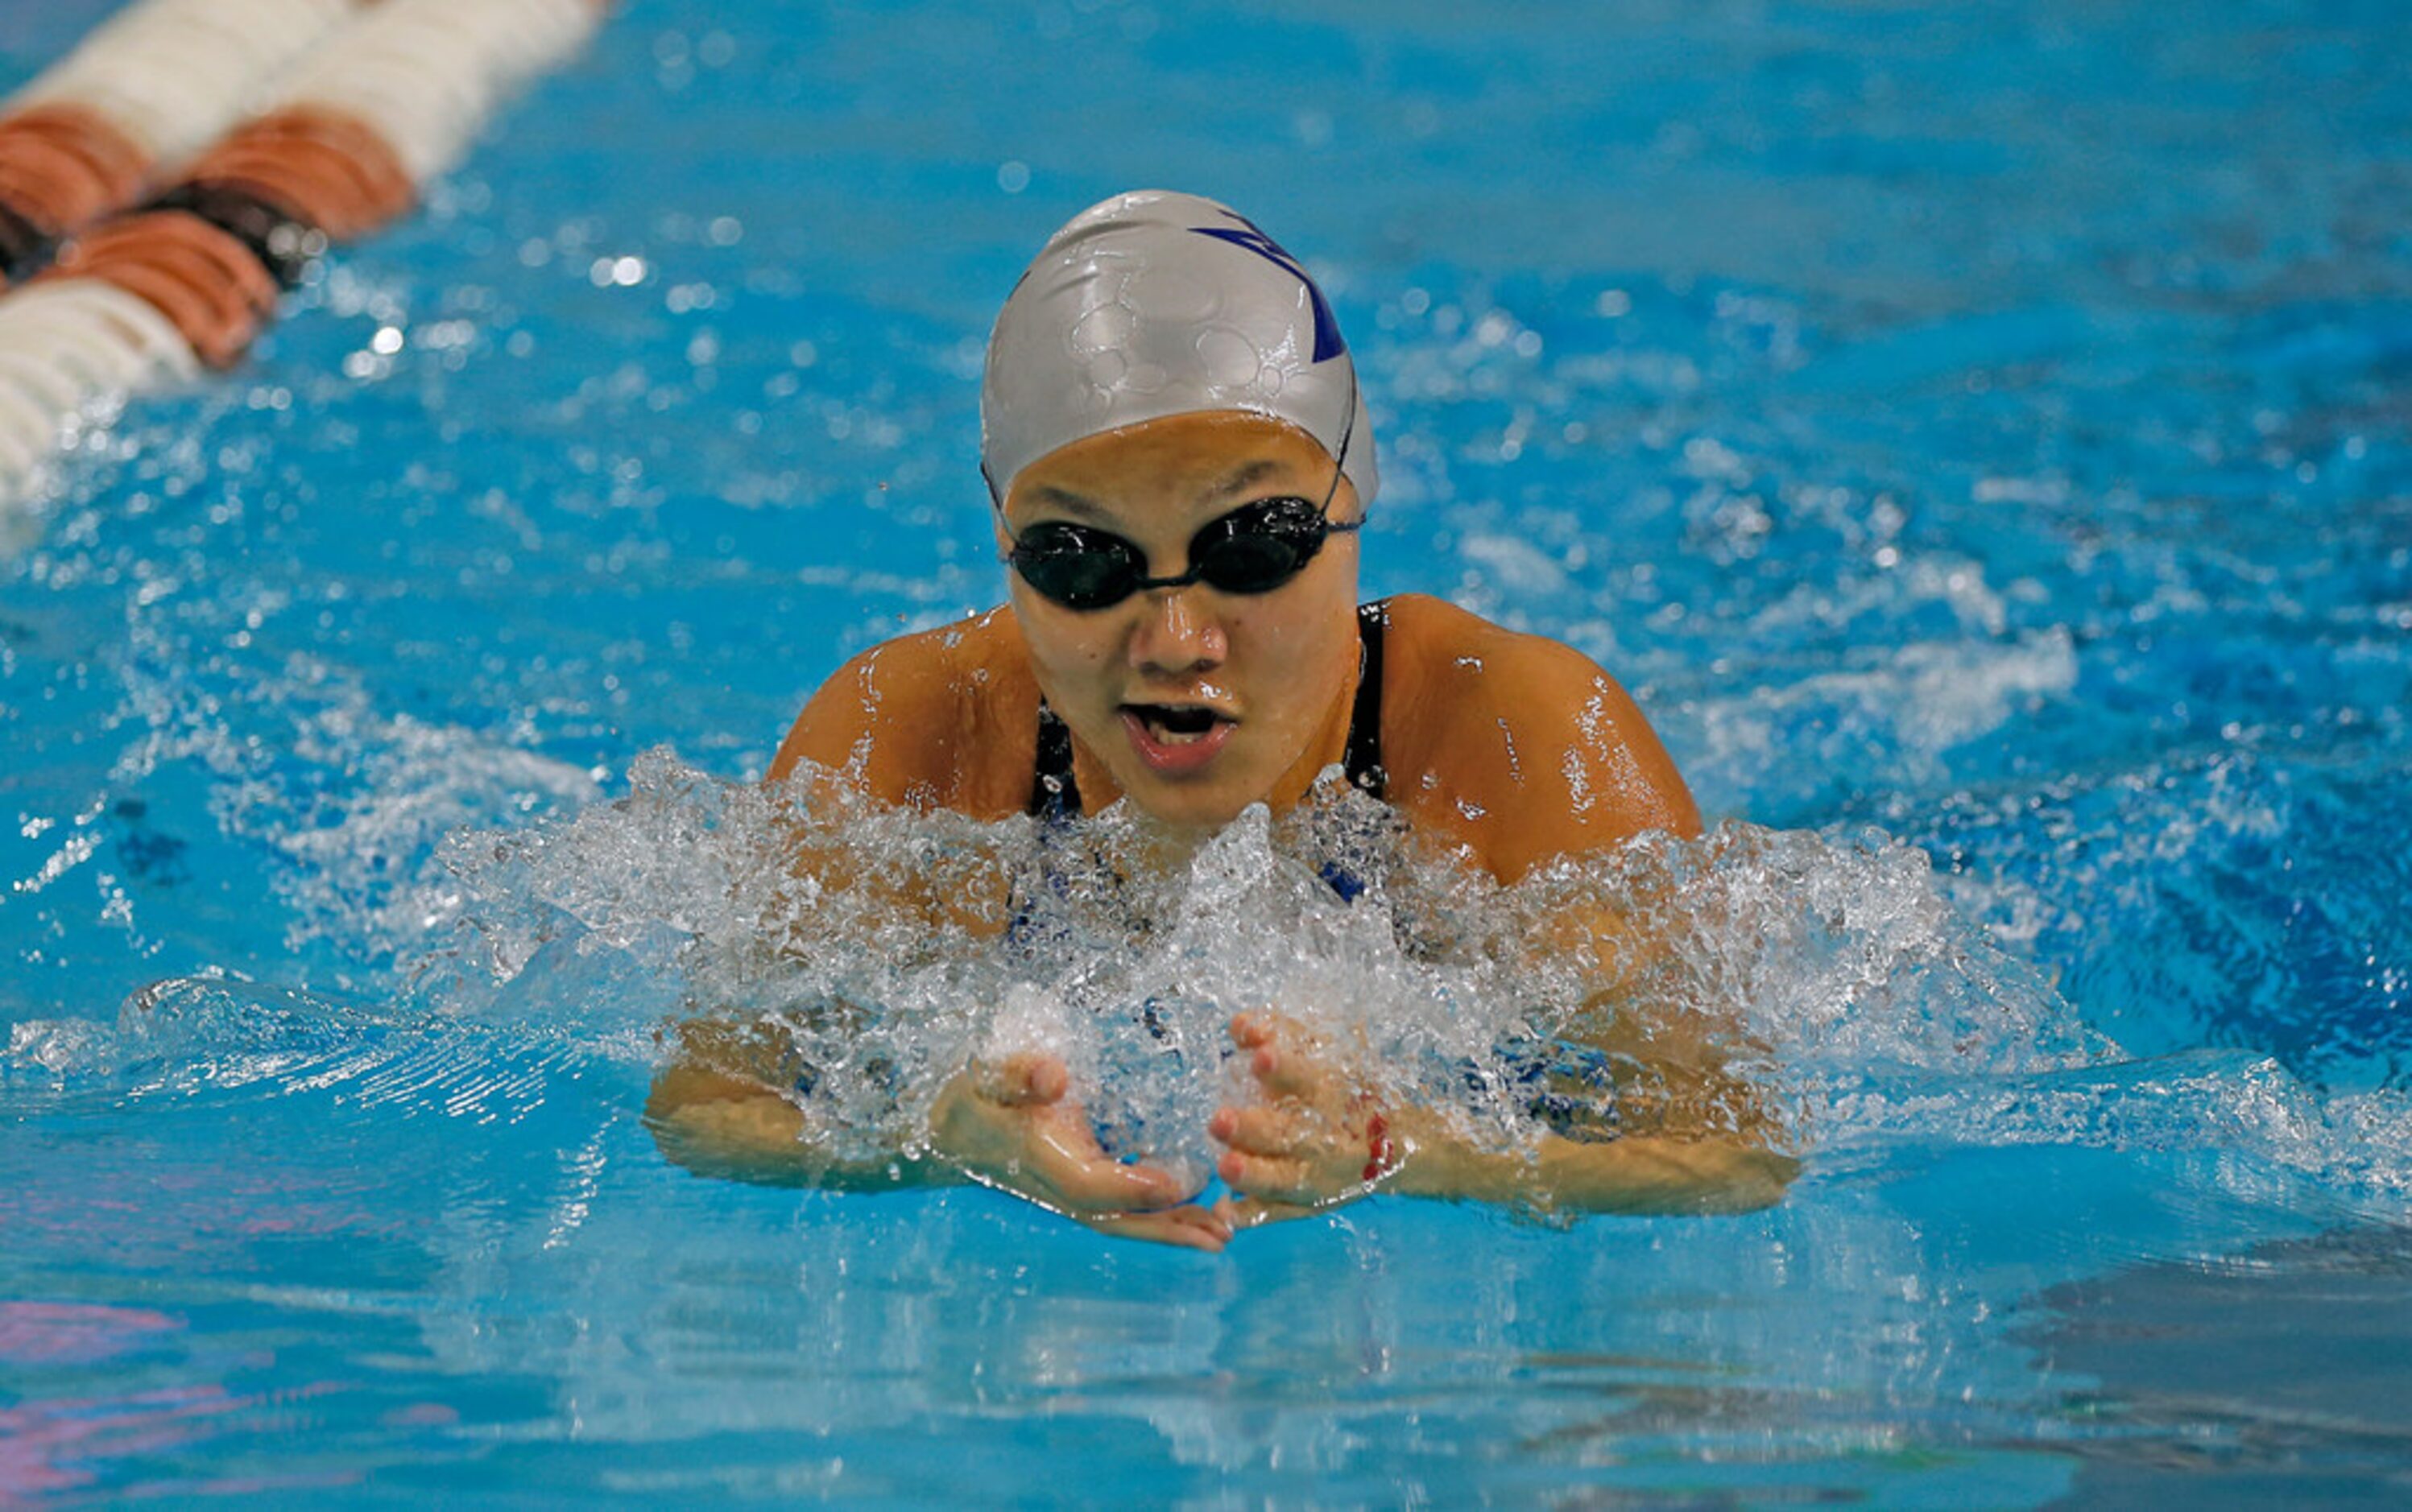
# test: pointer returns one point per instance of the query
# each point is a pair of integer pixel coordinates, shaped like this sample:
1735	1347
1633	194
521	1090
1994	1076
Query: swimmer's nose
1174	637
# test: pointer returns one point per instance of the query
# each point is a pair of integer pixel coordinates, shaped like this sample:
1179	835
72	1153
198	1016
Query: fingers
1010	1124
1239	1173
1267	1153
1100	1184
1079	1175
1187	1227
1255	1212
1286	1063
1250	1030
1027	1079
1257	1130
1207	1229
1299	1154
1283	1071
1280	1180
1256	1031
1317	1138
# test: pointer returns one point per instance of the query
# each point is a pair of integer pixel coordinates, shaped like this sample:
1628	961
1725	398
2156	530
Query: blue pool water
1979	434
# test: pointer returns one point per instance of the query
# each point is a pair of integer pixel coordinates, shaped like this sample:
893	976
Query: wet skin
1506	750
1273	671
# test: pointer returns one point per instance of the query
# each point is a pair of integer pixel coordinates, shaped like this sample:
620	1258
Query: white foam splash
866	955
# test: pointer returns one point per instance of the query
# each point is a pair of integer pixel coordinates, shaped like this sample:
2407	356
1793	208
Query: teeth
1193	724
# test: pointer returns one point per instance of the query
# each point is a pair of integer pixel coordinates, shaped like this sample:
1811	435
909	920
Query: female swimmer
1178	455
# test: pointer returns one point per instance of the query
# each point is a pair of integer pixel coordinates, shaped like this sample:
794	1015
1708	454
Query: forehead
1179	462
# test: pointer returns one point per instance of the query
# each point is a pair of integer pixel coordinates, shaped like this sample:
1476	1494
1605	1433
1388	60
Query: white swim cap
1156	303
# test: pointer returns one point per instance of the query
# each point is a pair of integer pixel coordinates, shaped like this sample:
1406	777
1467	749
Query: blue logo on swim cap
1328	343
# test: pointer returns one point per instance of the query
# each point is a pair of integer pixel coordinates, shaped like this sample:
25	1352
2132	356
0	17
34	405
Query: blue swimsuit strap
1054	795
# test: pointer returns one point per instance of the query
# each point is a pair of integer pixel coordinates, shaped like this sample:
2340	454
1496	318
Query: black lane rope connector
24	251
284	245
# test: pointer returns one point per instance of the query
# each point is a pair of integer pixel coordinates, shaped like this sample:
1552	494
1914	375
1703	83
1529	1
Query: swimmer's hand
1011	1125
1316	1138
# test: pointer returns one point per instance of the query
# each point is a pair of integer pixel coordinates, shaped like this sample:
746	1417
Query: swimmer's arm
733	1127
1317	1135
1682	1063
1415	1152
907	725
1545	759
1695	1132
1515	750
858	730
942	719
717	1109
1635	1174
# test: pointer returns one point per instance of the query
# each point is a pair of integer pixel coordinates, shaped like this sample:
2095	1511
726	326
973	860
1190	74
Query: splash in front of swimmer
1179	458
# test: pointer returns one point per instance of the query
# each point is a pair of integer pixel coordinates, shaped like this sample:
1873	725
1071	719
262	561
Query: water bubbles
1812	991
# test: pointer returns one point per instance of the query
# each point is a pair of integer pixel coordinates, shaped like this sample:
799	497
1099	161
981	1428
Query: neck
1327	747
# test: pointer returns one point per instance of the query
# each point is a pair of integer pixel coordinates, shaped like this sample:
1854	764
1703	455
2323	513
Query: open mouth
1174	724
1177	740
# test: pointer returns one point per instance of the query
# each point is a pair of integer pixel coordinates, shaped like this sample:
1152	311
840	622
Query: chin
1192	808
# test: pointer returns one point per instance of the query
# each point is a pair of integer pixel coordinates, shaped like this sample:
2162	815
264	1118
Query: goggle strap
1340	462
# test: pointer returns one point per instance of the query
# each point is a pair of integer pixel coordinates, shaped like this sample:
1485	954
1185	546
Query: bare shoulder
1517	746
938	719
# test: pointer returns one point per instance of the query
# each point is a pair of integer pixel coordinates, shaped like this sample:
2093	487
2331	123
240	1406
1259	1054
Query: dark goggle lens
1077	568
1239	555
1253	550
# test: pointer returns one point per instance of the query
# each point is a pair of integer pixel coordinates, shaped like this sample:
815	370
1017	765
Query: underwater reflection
2270	1377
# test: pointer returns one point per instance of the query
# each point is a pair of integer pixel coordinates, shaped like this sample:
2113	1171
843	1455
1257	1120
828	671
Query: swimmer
1179	461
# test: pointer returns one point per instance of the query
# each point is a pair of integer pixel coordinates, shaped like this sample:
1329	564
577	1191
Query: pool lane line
145	90
341	146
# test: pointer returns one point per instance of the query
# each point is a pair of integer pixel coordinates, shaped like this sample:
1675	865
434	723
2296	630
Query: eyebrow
1074	504
1243	478
1239	480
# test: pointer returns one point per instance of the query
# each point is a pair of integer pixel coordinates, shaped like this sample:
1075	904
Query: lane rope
189	160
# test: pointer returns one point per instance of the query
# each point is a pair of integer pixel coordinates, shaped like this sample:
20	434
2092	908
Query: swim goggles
1254	549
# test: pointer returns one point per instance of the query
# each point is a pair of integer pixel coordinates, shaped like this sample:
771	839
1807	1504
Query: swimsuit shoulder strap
1363	763
1054	795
